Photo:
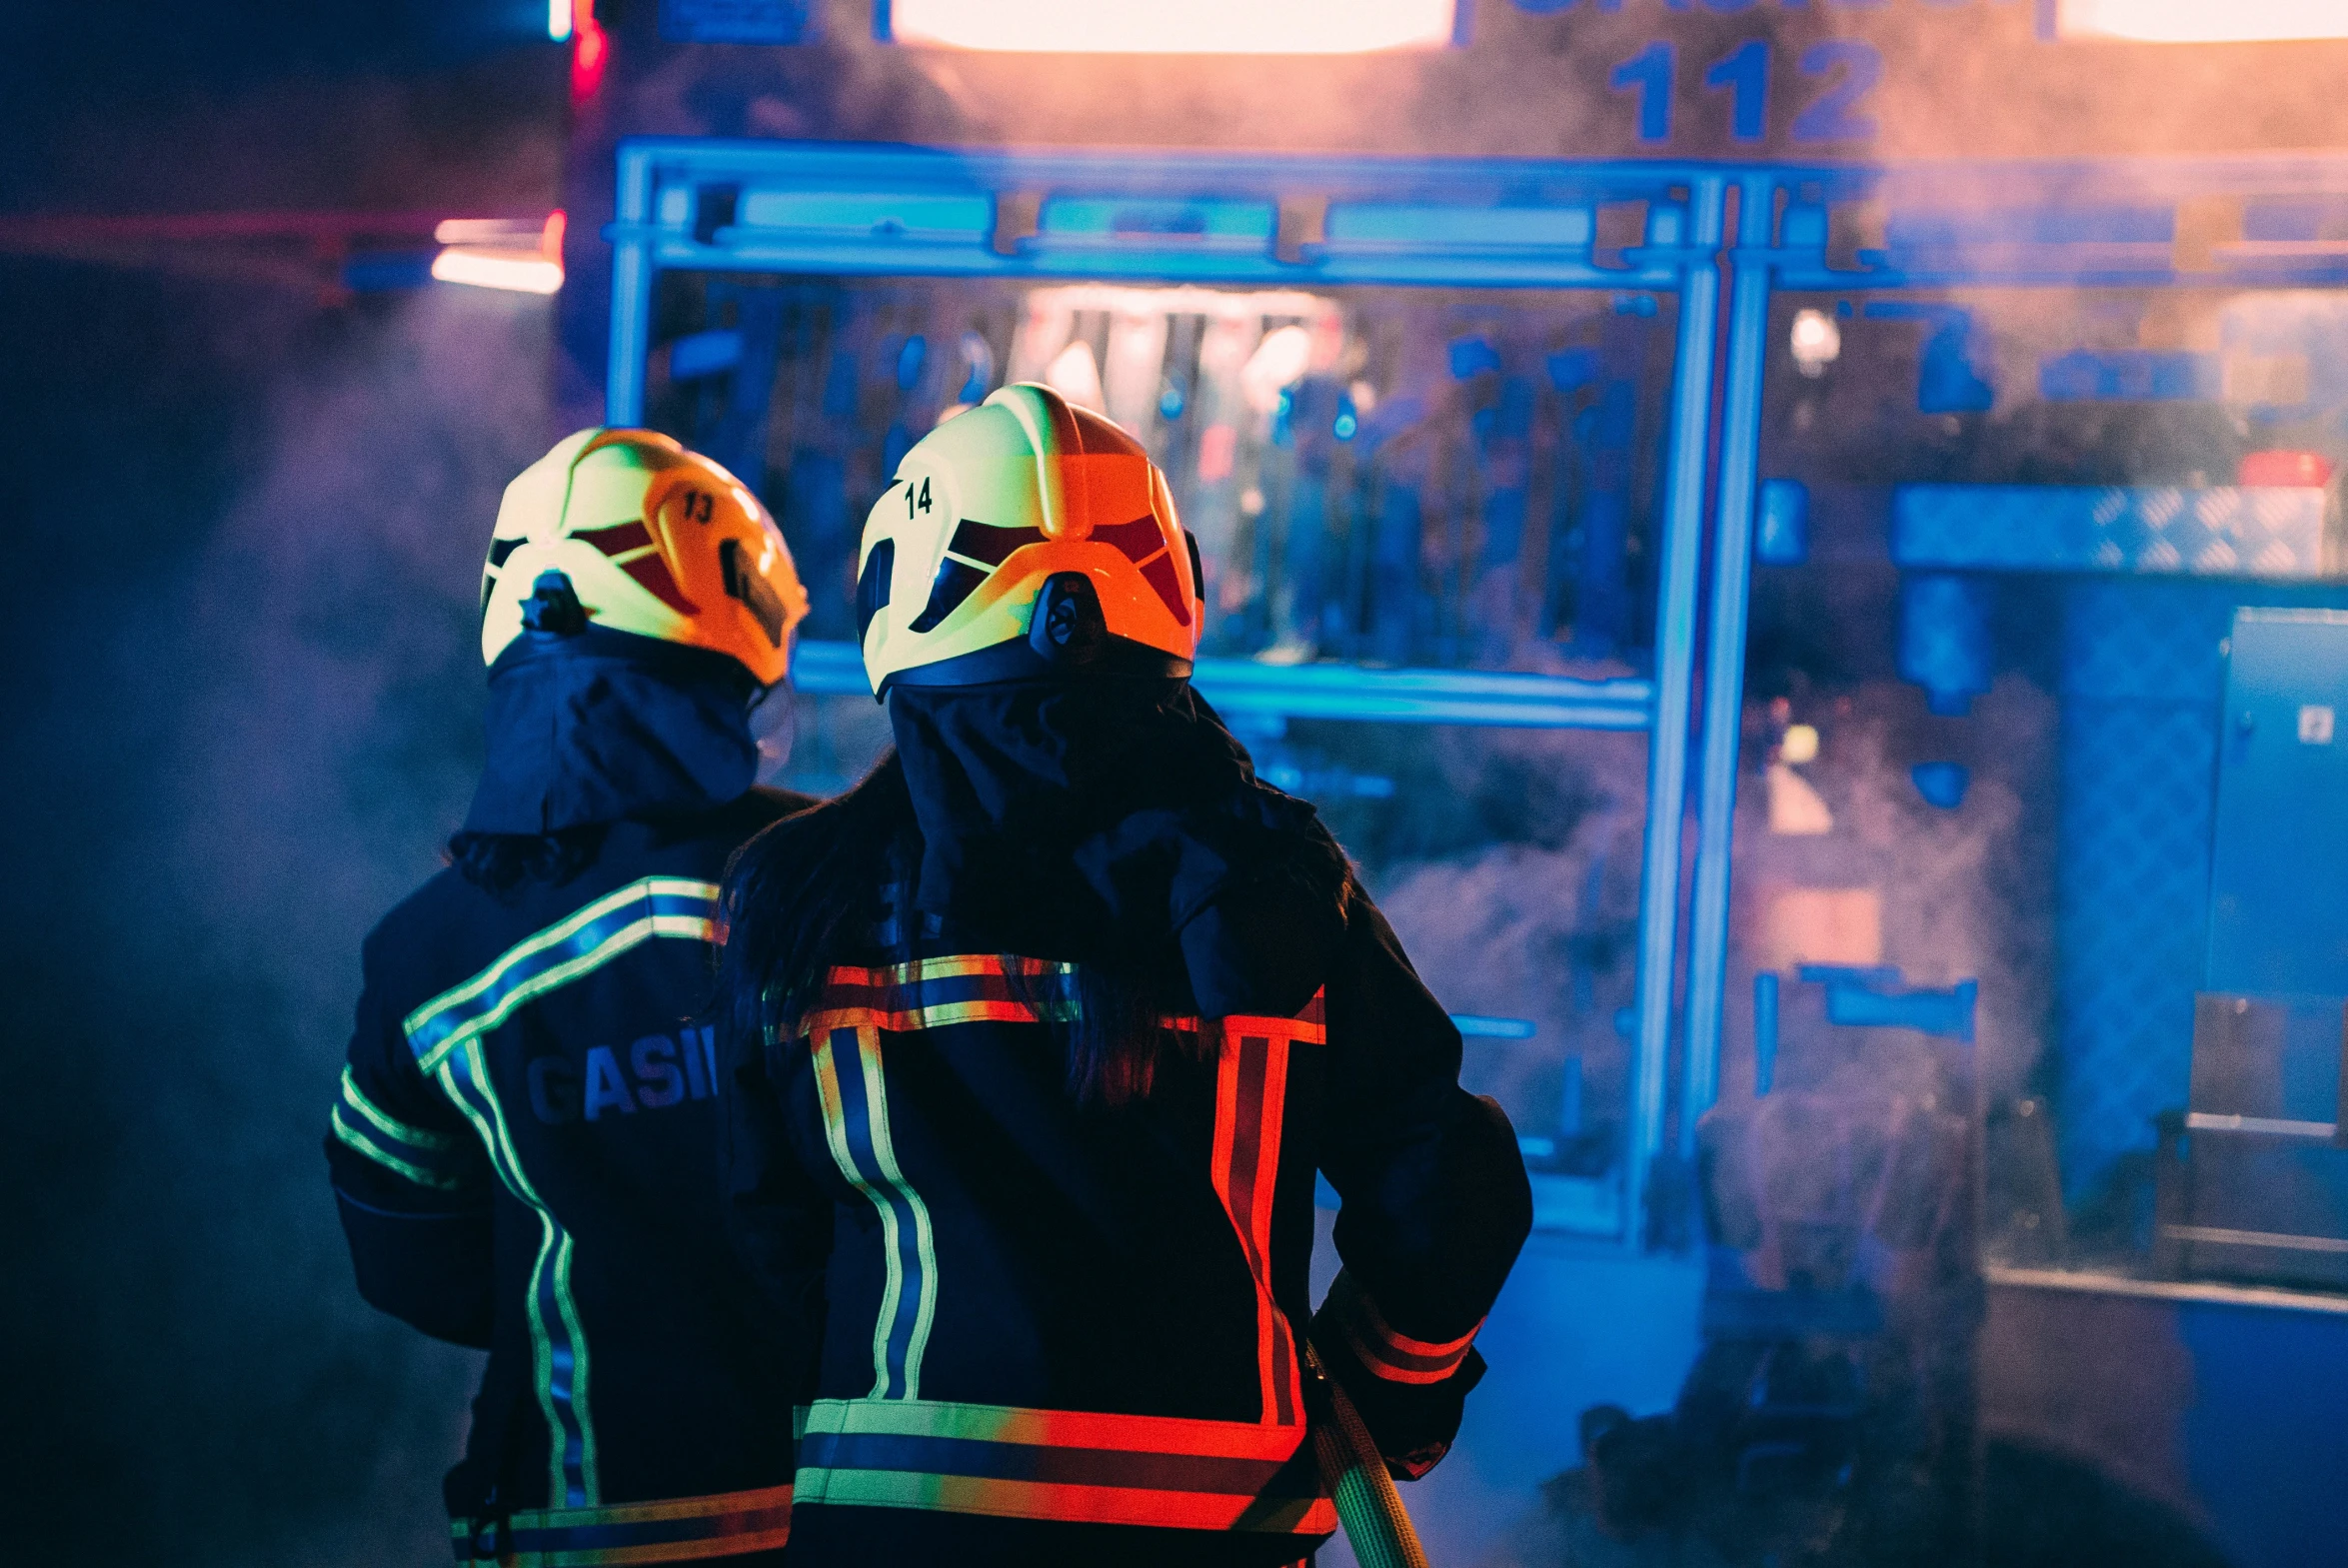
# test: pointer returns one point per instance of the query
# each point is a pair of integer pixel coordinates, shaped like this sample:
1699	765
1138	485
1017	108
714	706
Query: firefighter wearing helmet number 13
524	1148
1040	1034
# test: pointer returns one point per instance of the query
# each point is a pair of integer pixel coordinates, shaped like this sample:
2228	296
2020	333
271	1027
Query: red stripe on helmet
652	575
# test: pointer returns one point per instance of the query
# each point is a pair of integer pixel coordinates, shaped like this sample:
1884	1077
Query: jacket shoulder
432	939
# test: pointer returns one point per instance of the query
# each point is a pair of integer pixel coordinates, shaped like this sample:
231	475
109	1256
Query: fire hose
1368	1504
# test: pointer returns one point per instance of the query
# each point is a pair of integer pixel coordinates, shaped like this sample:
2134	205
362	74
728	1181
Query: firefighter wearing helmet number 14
1022	537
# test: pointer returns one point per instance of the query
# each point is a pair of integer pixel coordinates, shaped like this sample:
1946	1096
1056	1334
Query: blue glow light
1243	688
1476	1026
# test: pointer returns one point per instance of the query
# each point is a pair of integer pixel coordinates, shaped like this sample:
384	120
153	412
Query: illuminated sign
1765	80
2202	21
1937	78
1155	27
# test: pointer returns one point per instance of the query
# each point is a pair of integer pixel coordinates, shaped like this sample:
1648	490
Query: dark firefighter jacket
524	1151
1057	1329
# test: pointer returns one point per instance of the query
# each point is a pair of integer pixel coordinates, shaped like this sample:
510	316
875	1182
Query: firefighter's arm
1434	1201
779	1220
411	1182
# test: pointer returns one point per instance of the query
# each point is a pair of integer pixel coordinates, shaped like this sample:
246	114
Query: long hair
1114	1037
807	892
800	897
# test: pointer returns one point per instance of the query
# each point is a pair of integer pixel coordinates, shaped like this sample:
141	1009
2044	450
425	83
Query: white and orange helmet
653	540
1021	537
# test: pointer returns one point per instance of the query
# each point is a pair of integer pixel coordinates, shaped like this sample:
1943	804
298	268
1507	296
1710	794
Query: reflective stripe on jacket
1076	1314
525	1155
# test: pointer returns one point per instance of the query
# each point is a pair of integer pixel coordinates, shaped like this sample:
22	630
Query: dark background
242	709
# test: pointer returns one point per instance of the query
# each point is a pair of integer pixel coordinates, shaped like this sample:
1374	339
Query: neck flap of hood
1115	821
602	726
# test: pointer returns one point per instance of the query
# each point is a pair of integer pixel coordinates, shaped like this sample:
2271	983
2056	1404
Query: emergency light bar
1154	27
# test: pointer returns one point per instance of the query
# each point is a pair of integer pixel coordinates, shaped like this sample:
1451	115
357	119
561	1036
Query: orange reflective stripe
1251	1090
1308	1027
683	1529
930	993
1395	1356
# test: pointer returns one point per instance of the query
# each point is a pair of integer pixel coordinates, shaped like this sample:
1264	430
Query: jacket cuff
1410	1392
1382	1351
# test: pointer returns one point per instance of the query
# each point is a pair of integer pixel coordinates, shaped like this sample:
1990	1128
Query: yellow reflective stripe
1094	1467
541	1349
502	988
699	927
836	1135
507	1163
359	1141
657	1512
585	914
390	1126
1088	1430
543	1341
611	947
568	1304
542	1359
920	994
955	965
925	1243
716	1547
895	1372
732	1523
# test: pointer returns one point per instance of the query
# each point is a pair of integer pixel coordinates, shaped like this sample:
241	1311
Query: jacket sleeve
411	1181
1434	1201
778	1217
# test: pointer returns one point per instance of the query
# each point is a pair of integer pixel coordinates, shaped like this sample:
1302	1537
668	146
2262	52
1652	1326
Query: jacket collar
602	726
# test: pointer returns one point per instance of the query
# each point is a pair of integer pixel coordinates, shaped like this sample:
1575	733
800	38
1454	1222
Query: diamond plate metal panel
2223	532
2145	641
2131	909
2142	682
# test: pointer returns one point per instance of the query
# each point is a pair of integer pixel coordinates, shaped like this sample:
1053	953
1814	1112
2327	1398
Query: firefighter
525	1148
1039	1036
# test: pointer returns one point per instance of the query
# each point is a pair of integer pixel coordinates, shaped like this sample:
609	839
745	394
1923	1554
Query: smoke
338	753
1962	894
245	712
1533	918
265	661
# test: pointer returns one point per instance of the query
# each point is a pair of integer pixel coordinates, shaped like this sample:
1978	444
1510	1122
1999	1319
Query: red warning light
591	51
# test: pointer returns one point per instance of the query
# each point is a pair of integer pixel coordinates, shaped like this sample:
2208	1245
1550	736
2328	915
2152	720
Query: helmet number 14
914	503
